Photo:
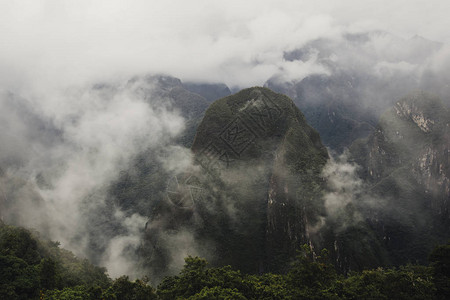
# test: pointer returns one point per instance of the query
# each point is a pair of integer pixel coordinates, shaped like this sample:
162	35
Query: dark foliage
33	269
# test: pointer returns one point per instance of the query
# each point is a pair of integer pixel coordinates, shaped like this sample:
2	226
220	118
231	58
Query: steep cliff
406	165
255	189
259	146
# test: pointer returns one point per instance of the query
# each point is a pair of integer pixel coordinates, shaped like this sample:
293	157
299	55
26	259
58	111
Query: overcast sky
60	43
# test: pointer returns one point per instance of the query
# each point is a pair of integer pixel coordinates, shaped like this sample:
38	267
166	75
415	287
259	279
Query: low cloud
96	132
48	43
344	184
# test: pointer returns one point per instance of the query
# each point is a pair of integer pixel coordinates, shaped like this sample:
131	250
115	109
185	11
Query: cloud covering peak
70	42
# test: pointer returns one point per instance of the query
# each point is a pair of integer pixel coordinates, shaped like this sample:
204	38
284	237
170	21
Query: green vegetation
33	269
310	277
258	144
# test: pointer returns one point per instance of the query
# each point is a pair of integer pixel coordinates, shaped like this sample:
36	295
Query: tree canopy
31	268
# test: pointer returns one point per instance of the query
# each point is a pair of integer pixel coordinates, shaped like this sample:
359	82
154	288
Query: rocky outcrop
258	147
253	191
406	165
415	135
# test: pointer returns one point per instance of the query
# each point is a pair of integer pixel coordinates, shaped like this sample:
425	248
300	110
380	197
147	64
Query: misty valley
330	184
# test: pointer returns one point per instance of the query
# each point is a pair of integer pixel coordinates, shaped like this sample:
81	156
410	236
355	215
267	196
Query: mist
241	44
95	133
73	120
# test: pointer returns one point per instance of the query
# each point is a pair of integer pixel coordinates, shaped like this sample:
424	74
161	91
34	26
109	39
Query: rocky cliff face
414	135
259	146
406	164
255	187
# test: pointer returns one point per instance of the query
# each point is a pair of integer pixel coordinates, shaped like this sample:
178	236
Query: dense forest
33	268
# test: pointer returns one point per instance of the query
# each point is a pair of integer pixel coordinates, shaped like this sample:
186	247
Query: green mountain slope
255	188
29	265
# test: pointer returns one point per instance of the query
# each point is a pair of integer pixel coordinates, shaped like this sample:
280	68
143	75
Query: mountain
362	76
141	185
169	91
334	106
146	177
255	188
246	182
210	91
39	145
405	164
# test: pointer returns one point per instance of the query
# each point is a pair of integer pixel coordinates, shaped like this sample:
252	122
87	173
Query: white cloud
100	131
65	42
343	183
